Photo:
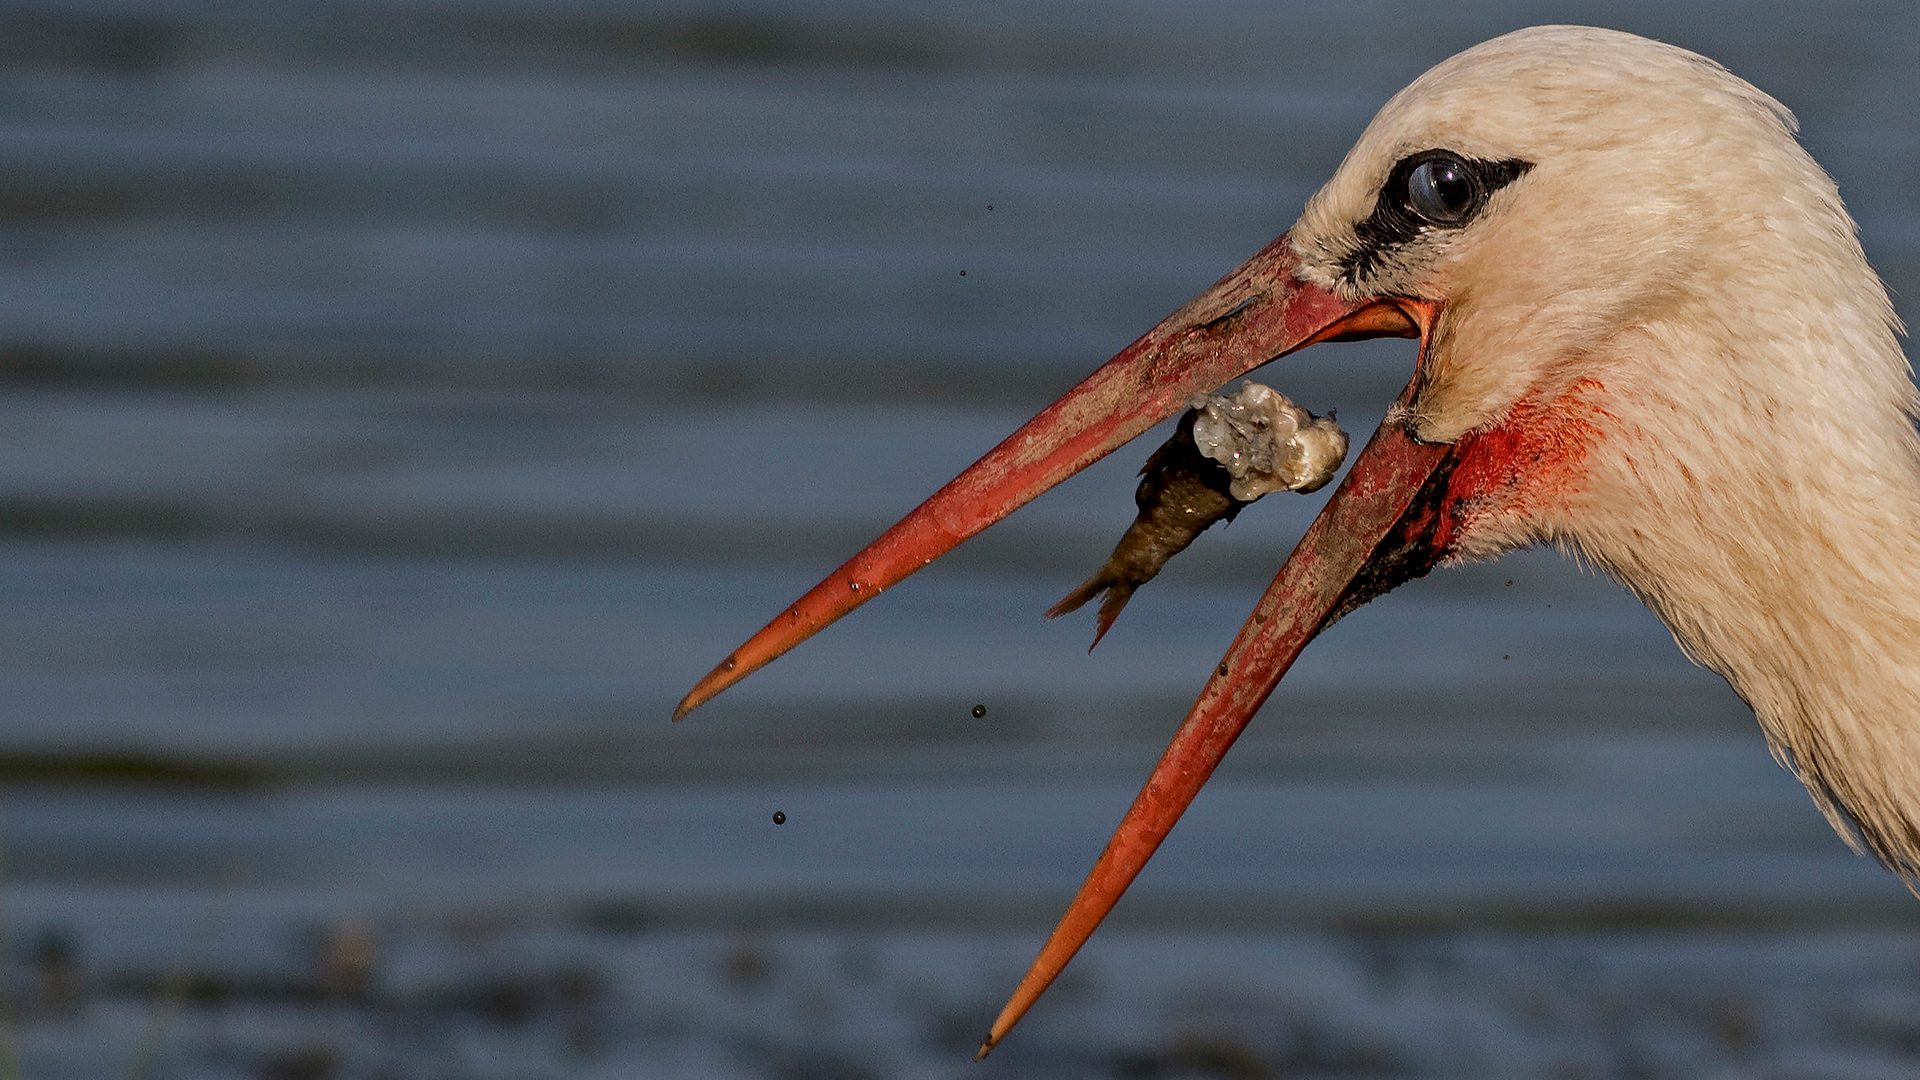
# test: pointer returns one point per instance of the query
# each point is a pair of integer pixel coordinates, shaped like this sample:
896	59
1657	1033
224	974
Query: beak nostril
1229	314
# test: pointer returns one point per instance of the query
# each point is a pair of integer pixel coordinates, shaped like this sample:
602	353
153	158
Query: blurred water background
404	402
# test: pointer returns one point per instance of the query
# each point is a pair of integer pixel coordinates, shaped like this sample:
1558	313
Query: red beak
1375	533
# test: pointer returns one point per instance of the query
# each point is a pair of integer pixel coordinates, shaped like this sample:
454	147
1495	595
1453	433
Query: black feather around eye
1433	189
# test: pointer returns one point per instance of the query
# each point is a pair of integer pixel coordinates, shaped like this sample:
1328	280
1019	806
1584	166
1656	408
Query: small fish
1250	443
1181	494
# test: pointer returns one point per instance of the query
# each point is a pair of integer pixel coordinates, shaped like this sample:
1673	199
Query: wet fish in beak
1248	444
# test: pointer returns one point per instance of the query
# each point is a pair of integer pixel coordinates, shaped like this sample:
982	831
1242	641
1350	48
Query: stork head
1619	239
1647	333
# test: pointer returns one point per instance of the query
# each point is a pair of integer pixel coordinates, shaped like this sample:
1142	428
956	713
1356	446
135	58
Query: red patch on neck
1532	459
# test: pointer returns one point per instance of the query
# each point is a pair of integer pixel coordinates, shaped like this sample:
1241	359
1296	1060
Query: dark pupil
1441	190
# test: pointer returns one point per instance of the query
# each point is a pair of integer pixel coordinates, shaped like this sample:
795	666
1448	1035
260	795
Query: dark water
404	404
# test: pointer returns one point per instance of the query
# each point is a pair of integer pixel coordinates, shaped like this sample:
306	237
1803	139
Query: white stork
1648	336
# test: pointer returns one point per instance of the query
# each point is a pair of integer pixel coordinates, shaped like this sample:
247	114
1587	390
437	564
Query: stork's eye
1443	190
1424	191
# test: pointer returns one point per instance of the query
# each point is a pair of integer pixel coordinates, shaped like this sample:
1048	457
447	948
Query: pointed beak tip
695	698
739	663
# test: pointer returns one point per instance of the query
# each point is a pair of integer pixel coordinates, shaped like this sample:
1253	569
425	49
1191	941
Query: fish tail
1085	591
1118	590
1117	596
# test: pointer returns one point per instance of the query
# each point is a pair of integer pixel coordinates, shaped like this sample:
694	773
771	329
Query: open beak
1373	534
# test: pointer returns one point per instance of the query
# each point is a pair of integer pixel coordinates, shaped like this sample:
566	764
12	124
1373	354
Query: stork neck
1785	556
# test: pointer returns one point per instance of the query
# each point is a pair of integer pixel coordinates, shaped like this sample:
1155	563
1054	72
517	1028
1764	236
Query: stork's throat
1505	475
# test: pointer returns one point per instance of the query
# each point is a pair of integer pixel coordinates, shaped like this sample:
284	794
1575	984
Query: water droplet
779	817
979	711
1222	669
731	662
